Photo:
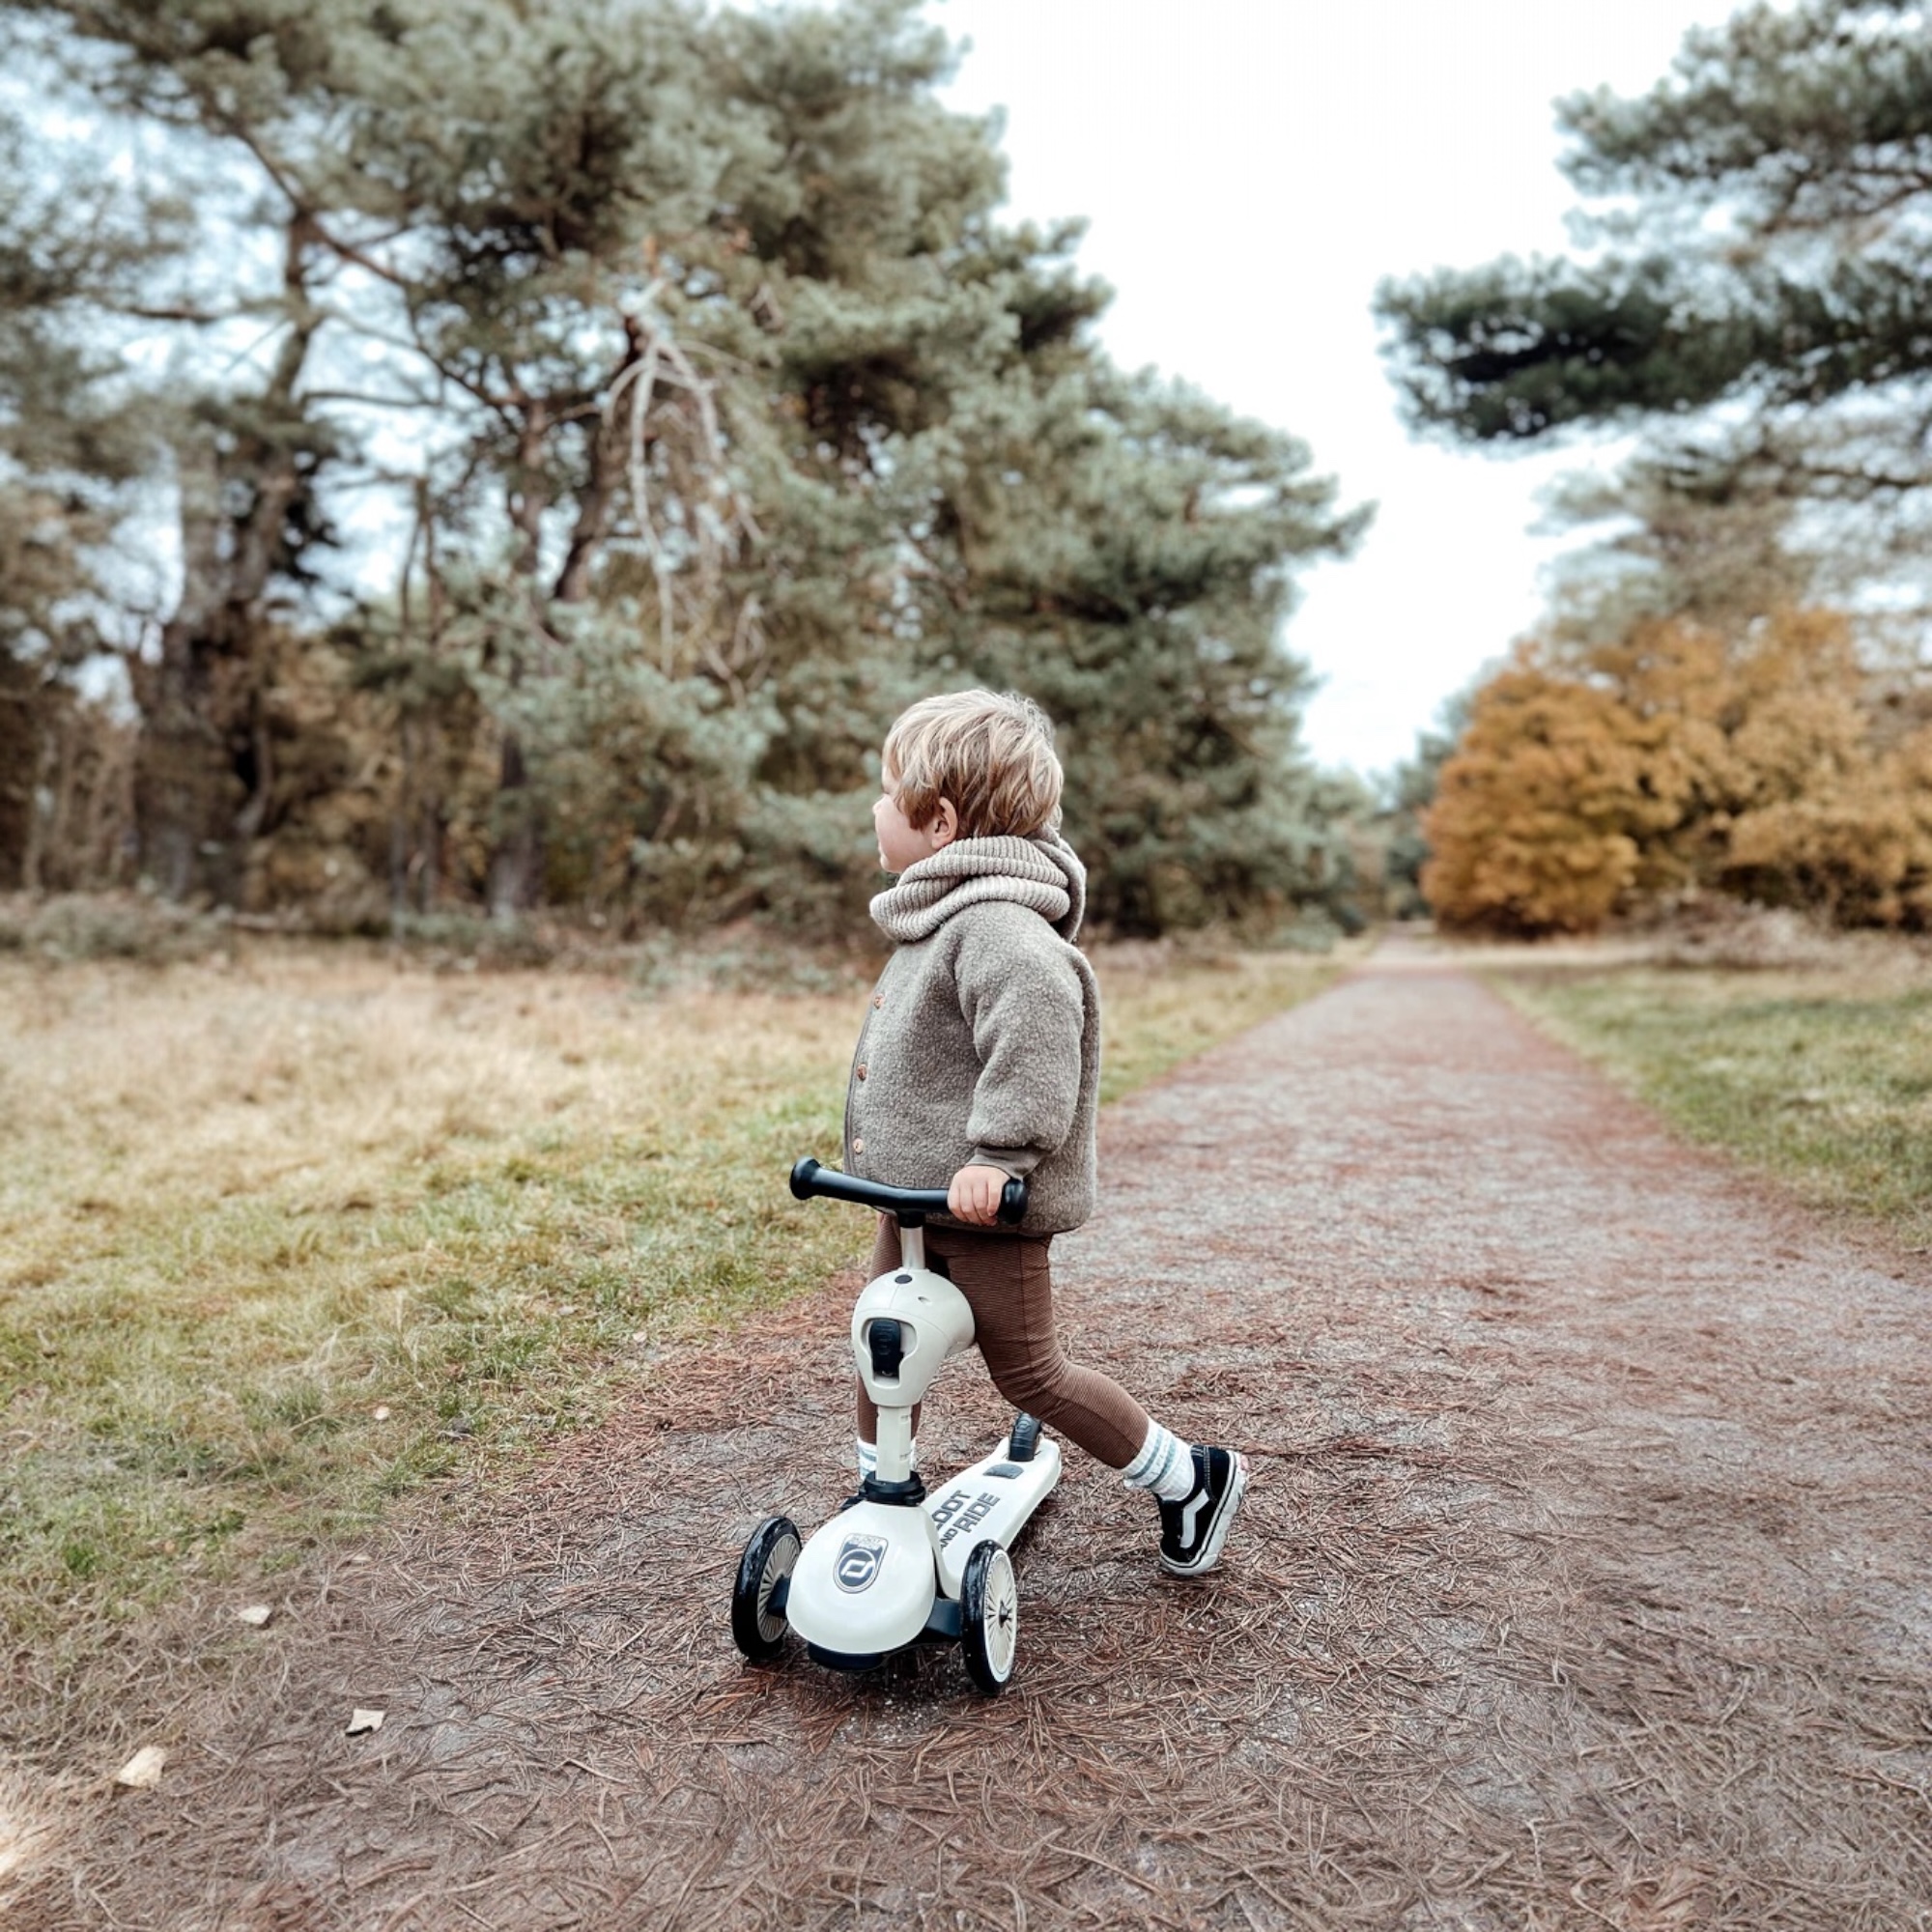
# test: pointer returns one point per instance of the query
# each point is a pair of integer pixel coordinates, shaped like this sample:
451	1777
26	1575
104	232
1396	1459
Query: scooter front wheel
757	1627
989	1616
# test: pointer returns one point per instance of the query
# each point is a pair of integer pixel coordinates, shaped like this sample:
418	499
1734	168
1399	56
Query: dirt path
1584	1579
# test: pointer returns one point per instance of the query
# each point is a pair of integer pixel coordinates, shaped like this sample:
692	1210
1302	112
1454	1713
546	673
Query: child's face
901	843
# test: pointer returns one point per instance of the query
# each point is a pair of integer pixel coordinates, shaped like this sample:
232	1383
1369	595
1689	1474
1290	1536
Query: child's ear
945	825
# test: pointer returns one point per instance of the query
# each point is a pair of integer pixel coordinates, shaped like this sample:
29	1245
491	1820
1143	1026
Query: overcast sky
1249	170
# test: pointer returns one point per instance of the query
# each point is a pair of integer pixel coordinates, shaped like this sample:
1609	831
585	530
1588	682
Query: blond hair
990	753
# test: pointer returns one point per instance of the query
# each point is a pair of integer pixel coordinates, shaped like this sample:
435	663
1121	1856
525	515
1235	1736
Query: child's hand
975	1194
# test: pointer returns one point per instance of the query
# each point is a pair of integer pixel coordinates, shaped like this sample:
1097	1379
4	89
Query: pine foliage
1755	296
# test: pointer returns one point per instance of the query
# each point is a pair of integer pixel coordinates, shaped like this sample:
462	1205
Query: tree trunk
597	501
183	796
19	742
204	781
516	859
516	866
206	774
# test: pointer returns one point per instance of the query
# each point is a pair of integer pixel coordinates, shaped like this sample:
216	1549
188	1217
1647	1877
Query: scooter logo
858	1562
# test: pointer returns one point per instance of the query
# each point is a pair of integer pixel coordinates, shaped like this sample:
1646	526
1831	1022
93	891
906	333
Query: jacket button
858	1147
878	999
861	1074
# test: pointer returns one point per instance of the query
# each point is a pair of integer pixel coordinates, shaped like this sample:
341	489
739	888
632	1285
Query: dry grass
287	1235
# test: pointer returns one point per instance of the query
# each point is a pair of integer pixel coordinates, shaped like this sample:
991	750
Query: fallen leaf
142	1770
361	1721
255	1616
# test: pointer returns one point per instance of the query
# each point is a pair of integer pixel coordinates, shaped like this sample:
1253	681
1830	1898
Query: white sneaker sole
1217	1529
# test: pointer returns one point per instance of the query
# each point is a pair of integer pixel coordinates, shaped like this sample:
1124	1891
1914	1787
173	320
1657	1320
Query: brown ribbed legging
1008	1285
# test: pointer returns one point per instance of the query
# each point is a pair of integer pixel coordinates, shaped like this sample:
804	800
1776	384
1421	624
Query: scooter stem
893	1428
894	1445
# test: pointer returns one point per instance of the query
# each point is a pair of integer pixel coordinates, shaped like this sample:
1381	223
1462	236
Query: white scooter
897	1567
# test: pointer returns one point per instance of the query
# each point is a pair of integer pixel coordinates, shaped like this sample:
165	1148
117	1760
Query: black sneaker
1193	1530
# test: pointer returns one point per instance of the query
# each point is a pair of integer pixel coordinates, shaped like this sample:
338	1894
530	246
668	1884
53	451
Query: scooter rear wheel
756	1627
989	1616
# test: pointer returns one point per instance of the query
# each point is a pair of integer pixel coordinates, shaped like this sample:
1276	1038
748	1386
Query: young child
979	1060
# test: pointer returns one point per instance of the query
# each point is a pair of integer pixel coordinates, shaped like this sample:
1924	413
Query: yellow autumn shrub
1856	846
1680	756
1540	815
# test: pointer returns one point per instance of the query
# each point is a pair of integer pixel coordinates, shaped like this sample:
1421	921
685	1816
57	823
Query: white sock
1165	1466
868	1456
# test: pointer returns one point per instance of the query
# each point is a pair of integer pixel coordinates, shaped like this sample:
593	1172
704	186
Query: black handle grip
909	1207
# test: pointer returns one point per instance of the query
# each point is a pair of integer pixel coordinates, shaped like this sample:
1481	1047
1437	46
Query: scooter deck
993	1499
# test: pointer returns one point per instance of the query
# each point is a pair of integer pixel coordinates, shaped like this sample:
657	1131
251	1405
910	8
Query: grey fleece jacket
982	1039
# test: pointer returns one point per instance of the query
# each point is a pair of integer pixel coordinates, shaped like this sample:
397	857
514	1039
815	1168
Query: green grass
281	1243
1821	1078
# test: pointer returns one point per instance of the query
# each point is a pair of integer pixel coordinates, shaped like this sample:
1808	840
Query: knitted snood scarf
1043	873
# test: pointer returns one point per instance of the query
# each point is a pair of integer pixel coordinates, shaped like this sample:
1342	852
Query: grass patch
1157	1011
284	1237
1822	1078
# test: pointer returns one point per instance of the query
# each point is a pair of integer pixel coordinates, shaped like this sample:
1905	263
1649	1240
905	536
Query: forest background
714	416
467	458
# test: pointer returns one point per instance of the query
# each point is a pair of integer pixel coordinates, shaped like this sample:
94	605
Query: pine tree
1124	553
1764	276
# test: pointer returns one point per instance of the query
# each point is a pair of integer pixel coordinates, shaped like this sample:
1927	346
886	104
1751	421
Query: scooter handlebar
908	1205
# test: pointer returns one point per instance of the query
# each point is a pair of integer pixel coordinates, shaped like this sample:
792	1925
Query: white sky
1250	169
